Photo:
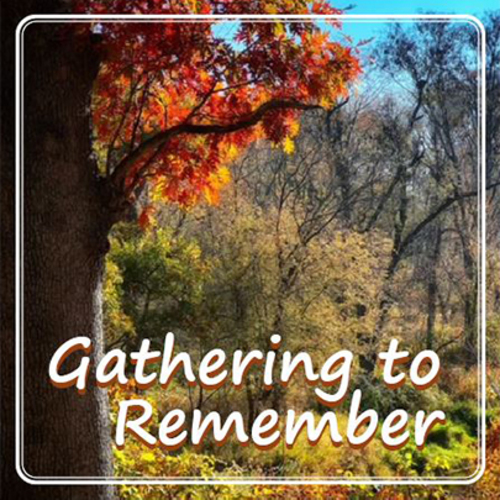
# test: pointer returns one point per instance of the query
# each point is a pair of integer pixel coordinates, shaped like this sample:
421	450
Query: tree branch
121	171
410	237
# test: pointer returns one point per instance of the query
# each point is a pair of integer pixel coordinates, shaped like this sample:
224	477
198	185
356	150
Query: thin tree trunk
470	294
368	361
251	405
432	289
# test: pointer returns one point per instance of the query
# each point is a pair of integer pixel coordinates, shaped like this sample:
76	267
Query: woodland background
360	229
342	226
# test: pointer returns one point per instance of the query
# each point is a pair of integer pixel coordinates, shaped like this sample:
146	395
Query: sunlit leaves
159	75
288	146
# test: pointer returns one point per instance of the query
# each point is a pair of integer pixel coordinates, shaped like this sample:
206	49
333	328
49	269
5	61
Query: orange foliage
175	100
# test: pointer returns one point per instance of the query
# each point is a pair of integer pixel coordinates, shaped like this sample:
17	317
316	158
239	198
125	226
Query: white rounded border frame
87	480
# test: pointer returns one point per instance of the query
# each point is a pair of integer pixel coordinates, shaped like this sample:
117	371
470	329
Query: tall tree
441	78
171	104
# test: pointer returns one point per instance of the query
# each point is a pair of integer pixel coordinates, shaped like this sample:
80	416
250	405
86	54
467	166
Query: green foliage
449	451
466	413
222	287
156	278
378	396
301	244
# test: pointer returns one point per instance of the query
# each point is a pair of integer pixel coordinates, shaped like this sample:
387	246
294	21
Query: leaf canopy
177	101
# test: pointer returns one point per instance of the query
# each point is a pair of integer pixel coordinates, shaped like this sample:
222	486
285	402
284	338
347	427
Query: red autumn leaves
190	76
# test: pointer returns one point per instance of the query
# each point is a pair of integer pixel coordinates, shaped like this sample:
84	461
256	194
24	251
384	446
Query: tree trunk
65	240
470	327
470	290
432	288
368	360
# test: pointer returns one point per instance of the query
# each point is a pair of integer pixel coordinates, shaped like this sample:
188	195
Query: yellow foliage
216	182
288	145
294	128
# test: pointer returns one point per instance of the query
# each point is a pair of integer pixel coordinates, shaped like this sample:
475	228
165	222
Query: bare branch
410	237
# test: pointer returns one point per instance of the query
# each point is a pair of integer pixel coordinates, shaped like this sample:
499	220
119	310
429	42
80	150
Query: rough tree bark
65	229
